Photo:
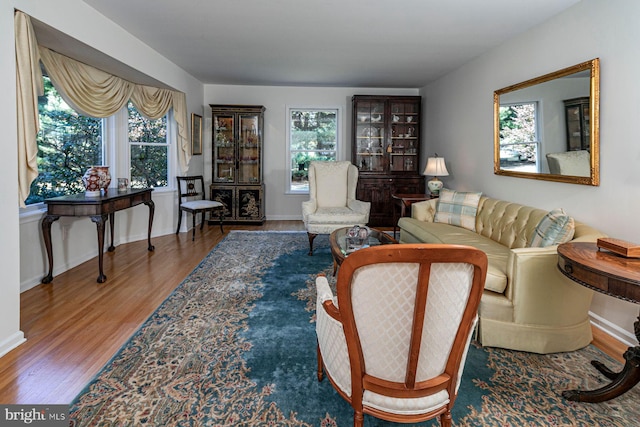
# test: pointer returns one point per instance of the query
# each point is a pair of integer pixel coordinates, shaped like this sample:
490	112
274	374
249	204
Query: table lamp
435	167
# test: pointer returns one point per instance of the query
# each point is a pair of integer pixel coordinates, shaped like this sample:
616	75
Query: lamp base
435	185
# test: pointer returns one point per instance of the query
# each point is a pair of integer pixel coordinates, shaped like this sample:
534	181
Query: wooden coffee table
338	241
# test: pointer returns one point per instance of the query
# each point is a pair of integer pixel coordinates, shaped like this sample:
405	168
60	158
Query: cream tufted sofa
527	303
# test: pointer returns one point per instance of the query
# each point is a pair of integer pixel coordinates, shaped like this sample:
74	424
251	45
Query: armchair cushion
331	184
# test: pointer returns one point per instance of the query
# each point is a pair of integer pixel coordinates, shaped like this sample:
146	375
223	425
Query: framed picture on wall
196	134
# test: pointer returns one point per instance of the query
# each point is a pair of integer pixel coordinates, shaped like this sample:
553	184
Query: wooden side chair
394	341
192	199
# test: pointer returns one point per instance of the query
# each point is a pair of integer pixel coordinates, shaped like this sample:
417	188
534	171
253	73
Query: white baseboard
11	342
613	330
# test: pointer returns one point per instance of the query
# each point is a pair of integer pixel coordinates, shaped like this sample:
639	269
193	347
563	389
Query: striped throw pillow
457	208
554	228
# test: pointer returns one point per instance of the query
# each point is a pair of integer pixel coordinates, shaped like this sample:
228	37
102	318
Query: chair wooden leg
221	220
179	221
193	234
311	237
445	419
202	223
358	419
320	375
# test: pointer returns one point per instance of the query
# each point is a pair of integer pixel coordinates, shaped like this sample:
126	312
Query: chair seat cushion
336	215
196	205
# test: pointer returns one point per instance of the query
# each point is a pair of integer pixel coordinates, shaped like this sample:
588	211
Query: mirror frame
594	126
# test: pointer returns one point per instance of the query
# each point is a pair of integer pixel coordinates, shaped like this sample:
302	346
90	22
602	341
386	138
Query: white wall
459	117
276	99
22	255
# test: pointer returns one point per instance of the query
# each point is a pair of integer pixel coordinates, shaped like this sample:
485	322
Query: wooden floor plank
74	325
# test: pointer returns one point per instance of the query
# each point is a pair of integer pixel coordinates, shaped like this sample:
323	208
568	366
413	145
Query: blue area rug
234	345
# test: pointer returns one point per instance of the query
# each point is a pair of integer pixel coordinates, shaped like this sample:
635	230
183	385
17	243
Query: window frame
339	140
116	152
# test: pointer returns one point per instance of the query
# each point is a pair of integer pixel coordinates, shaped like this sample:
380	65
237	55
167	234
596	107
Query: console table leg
100	220
621	382
152	208
111	225
46	234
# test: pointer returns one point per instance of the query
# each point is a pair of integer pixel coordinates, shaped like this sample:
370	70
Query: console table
614	275
98	209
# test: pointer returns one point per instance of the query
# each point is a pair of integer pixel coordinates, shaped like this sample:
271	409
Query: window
313	135
149	149
519	143
68	144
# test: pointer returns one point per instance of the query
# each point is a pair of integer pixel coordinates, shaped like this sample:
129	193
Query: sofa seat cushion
497	254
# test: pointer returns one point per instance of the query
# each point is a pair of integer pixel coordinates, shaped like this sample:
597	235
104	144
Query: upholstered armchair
332	200
574	163
394	339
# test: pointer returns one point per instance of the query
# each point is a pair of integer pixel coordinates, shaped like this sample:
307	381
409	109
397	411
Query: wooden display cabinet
237	161
386	150
577	121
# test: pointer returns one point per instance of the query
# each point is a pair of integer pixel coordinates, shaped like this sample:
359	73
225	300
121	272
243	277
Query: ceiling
341	43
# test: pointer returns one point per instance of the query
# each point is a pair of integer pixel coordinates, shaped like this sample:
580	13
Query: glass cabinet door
224	148
370	136
403	150
249	149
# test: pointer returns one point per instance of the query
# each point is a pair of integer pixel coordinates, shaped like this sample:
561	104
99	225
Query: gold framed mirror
547	127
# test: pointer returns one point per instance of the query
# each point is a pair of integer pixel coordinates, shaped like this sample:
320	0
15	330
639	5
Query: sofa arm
425	210
540	293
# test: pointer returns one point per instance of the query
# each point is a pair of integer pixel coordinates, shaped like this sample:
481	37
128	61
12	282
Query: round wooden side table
614	275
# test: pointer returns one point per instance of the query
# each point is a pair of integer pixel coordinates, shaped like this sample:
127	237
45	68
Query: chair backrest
190	187
408	313
575	163
332	184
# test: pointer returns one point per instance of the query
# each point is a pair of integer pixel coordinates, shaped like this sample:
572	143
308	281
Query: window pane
313	136
149	149
148	166
518	137
68	144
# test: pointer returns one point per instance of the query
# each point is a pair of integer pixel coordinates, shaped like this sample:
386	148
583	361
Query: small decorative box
620	247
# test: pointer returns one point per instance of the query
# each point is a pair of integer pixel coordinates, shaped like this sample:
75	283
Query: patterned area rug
234	345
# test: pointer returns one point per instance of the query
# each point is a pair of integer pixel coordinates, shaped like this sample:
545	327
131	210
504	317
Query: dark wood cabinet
386	150
577	122
237	161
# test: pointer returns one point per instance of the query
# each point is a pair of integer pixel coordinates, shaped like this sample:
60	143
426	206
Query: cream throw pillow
554	228
457	208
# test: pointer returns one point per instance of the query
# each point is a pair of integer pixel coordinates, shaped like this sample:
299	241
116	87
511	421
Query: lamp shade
436	167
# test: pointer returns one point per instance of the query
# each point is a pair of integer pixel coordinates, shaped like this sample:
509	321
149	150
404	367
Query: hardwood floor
74	325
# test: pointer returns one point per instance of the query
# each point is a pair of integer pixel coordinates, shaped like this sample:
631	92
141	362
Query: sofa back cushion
510	224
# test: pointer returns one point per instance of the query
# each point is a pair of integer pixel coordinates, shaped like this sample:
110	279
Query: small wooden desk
98	208
613	275
404	201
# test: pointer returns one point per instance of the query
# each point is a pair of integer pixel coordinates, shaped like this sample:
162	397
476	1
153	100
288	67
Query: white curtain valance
86	89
